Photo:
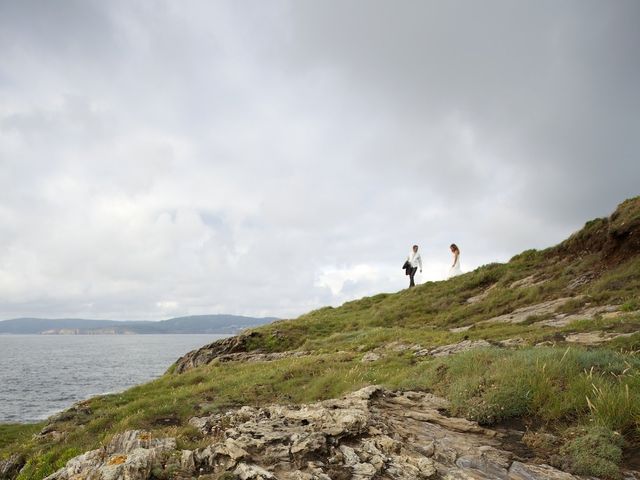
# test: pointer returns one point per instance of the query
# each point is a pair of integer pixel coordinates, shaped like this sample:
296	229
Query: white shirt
415	259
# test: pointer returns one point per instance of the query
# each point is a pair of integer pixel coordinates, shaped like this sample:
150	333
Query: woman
455	268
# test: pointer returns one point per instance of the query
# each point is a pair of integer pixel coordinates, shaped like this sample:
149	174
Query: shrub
594	451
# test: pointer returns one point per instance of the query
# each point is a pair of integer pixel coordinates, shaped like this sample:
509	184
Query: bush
594	451
492	385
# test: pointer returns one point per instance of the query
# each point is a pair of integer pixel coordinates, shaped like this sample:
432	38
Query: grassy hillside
568	371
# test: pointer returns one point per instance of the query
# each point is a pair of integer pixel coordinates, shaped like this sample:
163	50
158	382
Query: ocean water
43	374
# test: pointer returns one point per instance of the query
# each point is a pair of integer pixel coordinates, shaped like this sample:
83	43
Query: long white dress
455	270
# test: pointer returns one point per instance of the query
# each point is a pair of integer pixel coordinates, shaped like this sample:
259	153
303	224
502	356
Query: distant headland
195	324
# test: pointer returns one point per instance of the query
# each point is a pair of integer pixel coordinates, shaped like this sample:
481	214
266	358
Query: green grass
594	451
11	433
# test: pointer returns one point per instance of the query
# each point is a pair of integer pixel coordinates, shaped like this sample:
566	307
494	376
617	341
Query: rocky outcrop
594	338
522	314
453	348
232	349
208	353
530	281
132	455
370	434
590	313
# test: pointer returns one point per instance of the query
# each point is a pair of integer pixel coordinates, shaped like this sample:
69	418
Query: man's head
415	248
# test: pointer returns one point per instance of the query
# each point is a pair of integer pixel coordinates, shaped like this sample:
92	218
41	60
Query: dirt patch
169	421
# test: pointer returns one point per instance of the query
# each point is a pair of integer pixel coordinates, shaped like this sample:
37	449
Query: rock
521	471
460	329
427	468
187	461
445	350
259	357
349	456
131	455
512	342
581	280
136	439
10	467
591	313
208	353
402	347
521	314
481	296
594	338
371	357
526	282
232	349
232	449
205	424
78	413
252	472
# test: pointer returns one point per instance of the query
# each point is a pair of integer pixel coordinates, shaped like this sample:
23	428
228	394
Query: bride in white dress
455	268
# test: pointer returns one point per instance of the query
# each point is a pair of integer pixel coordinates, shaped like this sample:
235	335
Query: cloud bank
161	159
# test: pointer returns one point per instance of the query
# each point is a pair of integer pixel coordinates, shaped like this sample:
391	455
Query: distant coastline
196	324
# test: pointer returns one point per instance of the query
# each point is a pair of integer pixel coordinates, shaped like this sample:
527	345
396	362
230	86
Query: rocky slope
372	433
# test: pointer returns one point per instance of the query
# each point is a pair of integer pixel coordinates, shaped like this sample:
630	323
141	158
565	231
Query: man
414	260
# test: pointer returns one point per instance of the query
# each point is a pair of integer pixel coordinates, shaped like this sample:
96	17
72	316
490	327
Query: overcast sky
160	159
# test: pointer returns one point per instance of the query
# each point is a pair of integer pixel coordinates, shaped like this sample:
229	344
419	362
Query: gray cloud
160	159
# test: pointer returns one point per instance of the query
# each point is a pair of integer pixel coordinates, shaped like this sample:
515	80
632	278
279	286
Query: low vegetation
583	395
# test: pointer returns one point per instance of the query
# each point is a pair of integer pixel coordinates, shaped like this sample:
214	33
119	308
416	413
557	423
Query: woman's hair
453	246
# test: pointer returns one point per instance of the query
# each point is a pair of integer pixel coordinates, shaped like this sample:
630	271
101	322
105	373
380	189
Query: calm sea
43	374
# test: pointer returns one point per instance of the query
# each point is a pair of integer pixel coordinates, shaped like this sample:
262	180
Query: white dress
455	270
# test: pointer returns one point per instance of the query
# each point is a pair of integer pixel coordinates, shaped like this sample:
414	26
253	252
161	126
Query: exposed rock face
208	353
481	296
369	434
131	455
561	320
521	314
232	349
445	350
594	338
530	281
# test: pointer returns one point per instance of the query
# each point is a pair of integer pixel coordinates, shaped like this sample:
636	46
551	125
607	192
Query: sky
164	158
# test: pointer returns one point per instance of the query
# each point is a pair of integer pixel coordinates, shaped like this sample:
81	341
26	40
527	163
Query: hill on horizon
193	324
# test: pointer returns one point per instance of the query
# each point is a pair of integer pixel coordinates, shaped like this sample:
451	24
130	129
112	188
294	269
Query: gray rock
252	472
129	456
521	471
521	314
371	357
453	348
10	467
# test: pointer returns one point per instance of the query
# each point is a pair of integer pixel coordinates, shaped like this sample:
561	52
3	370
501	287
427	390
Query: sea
44	374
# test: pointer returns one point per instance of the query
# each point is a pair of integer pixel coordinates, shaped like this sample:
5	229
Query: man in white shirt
415	260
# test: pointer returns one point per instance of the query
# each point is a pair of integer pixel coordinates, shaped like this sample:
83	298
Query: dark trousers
412	273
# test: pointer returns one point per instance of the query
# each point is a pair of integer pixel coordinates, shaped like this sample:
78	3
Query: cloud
159	159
